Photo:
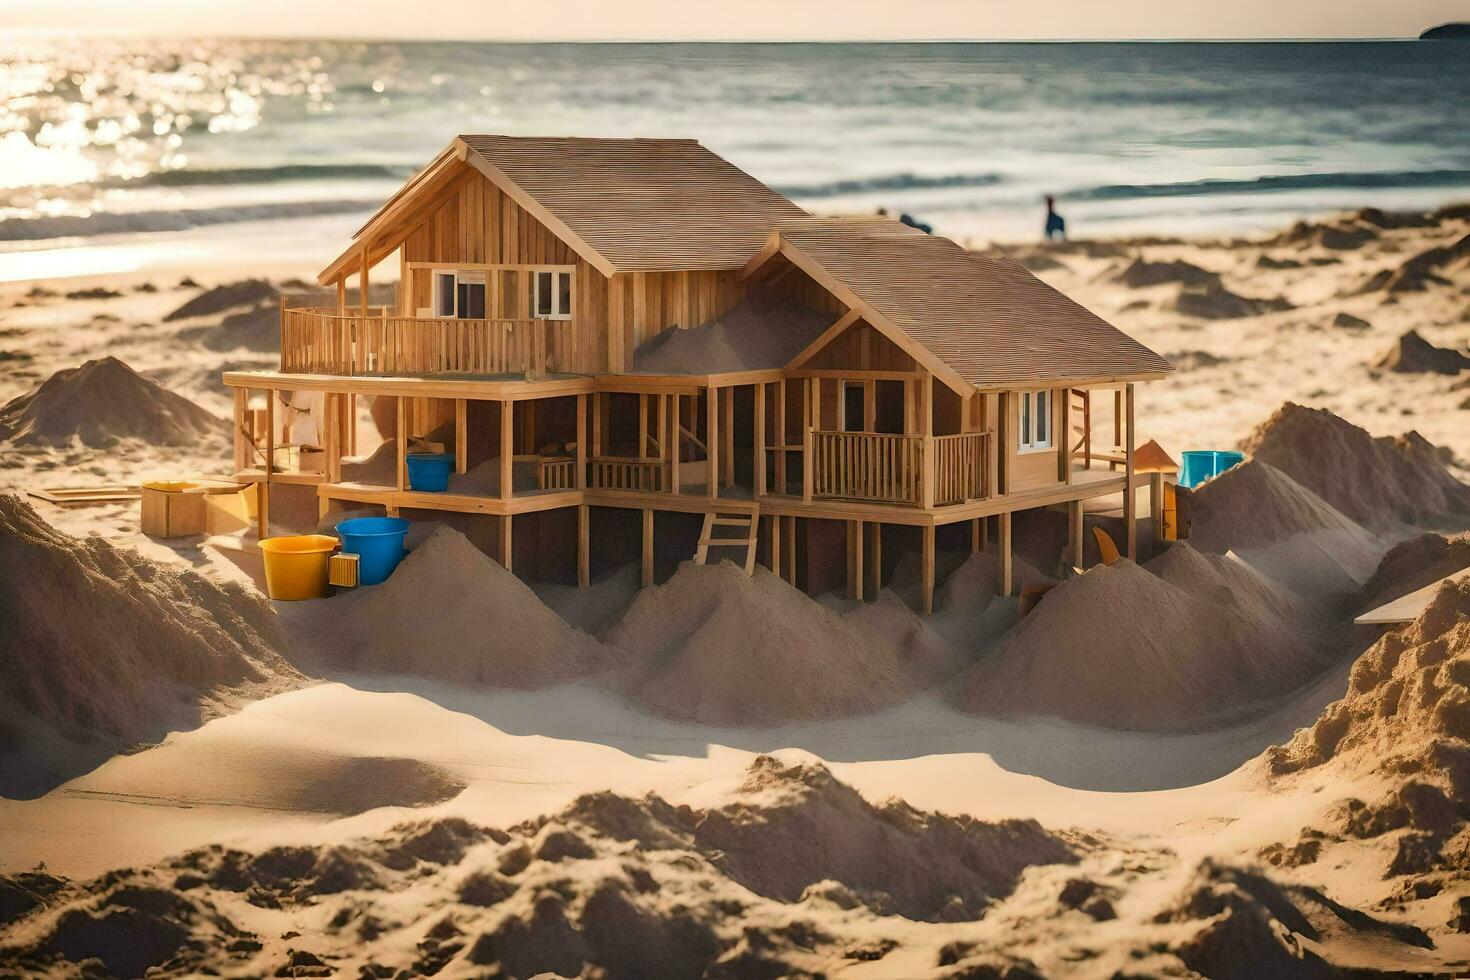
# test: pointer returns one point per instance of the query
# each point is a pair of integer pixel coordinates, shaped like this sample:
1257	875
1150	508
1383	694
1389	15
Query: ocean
287	144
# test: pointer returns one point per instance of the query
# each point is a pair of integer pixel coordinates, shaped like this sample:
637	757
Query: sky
746	19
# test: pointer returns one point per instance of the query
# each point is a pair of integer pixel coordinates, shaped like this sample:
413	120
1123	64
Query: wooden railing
322	341
623	473
961	470
886	468
867	466
556	473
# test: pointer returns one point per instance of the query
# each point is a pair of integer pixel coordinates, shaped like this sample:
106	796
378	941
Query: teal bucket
1202	464
429	472
378	544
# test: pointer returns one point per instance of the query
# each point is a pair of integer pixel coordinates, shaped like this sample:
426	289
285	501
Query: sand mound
792	877
1412	354
450	612
763	331
1214	301
101	403
255	329
716	646
1411	565
1281	528
1343	235
1373	481
1199	643
1140	274
921	652
1420	272
247	292
99	641
1346	321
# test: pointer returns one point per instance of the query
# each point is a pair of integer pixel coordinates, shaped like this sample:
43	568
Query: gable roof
973	319
624	205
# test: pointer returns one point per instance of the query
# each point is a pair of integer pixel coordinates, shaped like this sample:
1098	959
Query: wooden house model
631	341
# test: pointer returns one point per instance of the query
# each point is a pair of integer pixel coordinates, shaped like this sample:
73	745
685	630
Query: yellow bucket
296	566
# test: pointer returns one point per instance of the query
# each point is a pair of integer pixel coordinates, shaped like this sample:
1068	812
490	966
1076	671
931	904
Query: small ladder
742	521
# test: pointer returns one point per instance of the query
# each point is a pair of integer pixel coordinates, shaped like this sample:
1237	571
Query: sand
1189	642
719	647
102	403
1376	482
450	612
104	646
761	332
1411	565
1282	529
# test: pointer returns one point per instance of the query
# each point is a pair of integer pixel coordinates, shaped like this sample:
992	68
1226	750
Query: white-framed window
552	295
459	293
1034	429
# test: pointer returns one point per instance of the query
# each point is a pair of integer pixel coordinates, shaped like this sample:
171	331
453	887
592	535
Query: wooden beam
824	338
977	538
1074	532
773	548
581	480
362	284
712	441
584	548
642	427
791	550
759	489
1061	433
875	558
780	430
461	435
242	443
727	455
928	569
1130	495
855	535
1156	504
647	547
808	462
342	296
507	450
1004	546
676	435
507	549
401	438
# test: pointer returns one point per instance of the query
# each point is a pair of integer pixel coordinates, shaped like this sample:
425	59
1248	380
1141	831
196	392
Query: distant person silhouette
1056	225
913	222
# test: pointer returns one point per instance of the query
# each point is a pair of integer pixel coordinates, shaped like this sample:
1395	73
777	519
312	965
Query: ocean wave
888	182
1370	180
267	175
124	222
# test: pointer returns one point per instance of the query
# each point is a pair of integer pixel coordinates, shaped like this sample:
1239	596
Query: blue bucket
378	544
429	472
1202	464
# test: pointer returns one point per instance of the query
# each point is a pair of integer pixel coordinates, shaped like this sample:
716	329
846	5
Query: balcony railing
884	468
322	341
622	473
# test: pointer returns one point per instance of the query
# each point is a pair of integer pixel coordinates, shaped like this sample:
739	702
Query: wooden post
342	296
1004	544
581	478
855	532
781	436
528	427
727	455
242	444
977	539
1130	502
760	440
660	425
1003	442
263	488
507	450
775	544
1156	503
676	436
808	461
791	550
928	568
401	428
1074	532
331	434
712	441
362	282
1117	423
597	400
1061	430
351	424
647	547
926	460
642	427
875	559
584	548
506	550
461	435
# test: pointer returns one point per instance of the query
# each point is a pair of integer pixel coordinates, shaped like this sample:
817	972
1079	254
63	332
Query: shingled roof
987	320
644	205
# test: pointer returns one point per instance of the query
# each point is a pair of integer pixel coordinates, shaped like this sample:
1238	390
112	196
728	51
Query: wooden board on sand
1406	609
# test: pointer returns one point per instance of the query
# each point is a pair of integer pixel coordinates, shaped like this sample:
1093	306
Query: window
854	407
459	293
553	296
1034	431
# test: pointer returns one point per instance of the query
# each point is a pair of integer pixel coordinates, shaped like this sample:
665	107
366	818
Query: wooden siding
1035	468
478	224
652	302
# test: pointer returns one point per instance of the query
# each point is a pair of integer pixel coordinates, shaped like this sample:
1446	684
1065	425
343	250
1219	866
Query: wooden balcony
323	341
916	470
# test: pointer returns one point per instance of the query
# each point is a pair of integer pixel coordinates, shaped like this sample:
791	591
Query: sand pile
101	642
1412	354
246	292
1202	642
1376	482
450	612
1343	235
1140	274
763	331
1423	270
255	329
1411	565
1214	301
102	403
1281	528
785	880
717	646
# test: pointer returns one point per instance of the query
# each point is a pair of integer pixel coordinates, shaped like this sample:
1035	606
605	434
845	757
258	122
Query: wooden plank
461	435
584	548
1407	608
581	477
648	547
507	549
727	455
1074	532
928	569
401	438
791	550
712	442
676	430
1130	494
760	441
875	559
507	450
1004	546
